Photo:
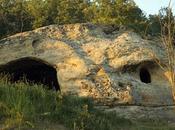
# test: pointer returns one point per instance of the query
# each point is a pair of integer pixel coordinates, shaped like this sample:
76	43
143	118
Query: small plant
80	123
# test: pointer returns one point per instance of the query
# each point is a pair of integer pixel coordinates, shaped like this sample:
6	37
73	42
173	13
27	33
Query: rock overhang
90	62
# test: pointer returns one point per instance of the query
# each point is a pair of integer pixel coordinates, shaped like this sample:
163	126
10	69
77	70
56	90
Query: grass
27	107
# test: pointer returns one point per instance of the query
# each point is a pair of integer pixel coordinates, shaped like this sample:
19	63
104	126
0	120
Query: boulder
111	65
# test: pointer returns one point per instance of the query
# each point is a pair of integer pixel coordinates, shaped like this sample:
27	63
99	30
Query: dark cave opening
145	76
33	71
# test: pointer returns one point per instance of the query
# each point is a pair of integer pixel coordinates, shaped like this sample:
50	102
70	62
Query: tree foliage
22	15
13	17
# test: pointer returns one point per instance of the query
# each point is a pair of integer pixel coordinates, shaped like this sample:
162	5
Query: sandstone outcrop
114	66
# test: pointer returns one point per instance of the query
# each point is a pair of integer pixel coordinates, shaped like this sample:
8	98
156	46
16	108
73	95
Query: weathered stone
95	62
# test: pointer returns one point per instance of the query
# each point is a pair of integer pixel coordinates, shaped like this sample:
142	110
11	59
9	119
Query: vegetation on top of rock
22	15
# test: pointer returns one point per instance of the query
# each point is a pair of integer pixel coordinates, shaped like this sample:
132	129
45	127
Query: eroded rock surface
114	67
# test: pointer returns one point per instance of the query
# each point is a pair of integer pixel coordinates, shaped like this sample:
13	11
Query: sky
153	6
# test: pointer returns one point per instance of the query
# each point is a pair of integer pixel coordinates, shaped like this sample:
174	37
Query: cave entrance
145	76
33	71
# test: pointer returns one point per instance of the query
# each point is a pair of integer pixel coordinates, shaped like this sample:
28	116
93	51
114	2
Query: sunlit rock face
111	65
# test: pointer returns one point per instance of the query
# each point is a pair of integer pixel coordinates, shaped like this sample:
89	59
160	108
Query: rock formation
112	65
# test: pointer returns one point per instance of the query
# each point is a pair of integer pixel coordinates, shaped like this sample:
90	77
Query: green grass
24	106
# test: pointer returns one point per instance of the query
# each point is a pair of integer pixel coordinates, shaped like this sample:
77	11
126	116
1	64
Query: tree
13	17
167	23
21	15
167	36
72	11
103	12
154	27
51	11
129	14
38	12
118	12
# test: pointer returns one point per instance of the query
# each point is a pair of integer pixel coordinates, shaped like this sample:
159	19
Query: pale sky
153	6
